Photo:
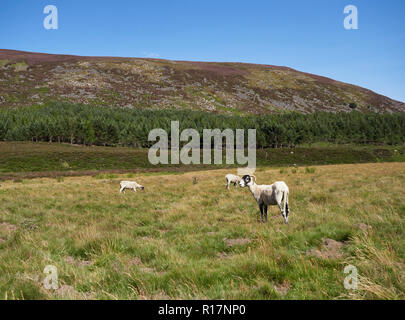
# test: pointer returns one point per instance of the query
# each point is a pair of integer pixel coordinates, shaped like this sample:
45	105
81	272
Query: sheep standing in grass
232	179
268	195
130	185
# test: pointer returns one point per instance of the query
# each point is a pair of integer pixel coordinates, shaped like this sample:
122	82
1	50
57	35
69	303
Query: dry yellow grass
173	239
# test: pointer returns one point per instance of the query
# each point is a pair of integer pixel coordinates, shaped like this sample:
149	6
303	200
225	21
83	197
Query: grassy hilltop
229	88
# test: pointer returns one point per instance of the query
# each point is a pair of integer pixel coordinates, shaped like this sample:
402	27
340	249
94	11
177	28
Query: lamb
130	185
231	178
267	195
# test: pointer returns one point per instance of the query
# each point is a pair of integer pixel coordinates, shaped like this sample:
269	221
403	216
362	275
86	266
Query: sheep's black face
245	181
142	187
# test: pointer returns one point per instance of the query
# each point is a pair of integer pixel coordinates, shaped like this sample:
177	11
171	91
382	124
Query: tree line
89	125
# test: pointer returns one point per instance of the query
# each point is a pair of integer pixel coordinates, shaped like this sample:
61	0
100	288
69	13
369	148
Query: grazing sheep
130	185
267	195
231	178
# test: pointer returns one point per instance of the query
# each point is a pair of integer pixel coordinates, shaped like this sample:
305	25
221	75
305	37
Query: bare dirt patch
7	227
330	249
223	255
6	231
135	261
363	226
282	288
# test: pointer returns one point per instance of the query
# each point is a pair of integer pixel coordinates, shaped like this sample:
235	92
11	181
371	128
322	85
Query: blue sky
305	35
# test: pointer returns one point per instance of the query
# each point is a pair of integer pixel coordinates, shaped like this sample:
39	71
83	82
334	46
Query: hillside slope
33	78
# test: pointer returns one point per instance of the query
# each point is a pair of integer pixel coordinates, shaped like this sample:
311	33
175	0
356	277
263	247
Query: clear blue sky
305	35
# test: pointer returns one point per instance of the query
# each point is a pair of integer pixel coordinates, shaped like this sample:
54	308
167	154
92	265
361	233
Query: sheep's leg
261	207
134	188
122	189
227	184
286	208
282	211
265	213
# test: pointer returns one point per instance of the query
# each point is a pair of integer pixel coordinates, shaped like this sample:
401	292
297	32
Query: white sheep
231	178
267	195
130	185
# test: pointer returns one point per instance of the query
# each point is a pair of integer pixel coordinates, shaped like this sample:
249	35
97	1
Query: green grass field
179	240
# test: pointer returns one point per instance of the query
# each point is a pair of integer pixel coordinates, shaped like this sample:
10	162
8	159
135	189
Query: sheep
231	178
130	185
267	195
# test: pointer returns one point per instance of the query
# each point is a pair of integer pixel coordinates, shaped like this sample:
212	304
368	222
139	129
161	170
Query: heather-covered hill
235	88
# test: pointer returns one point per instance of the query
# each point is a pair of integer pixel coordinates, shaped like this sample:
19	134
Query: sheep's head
141	187
246	181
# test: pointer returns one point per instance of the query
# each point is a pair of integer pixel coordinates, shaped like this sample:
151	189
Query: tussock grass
309	170
183	240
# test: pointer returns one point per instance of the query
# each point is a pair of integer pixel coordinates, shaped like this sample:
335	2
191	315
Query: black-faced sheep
268	195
